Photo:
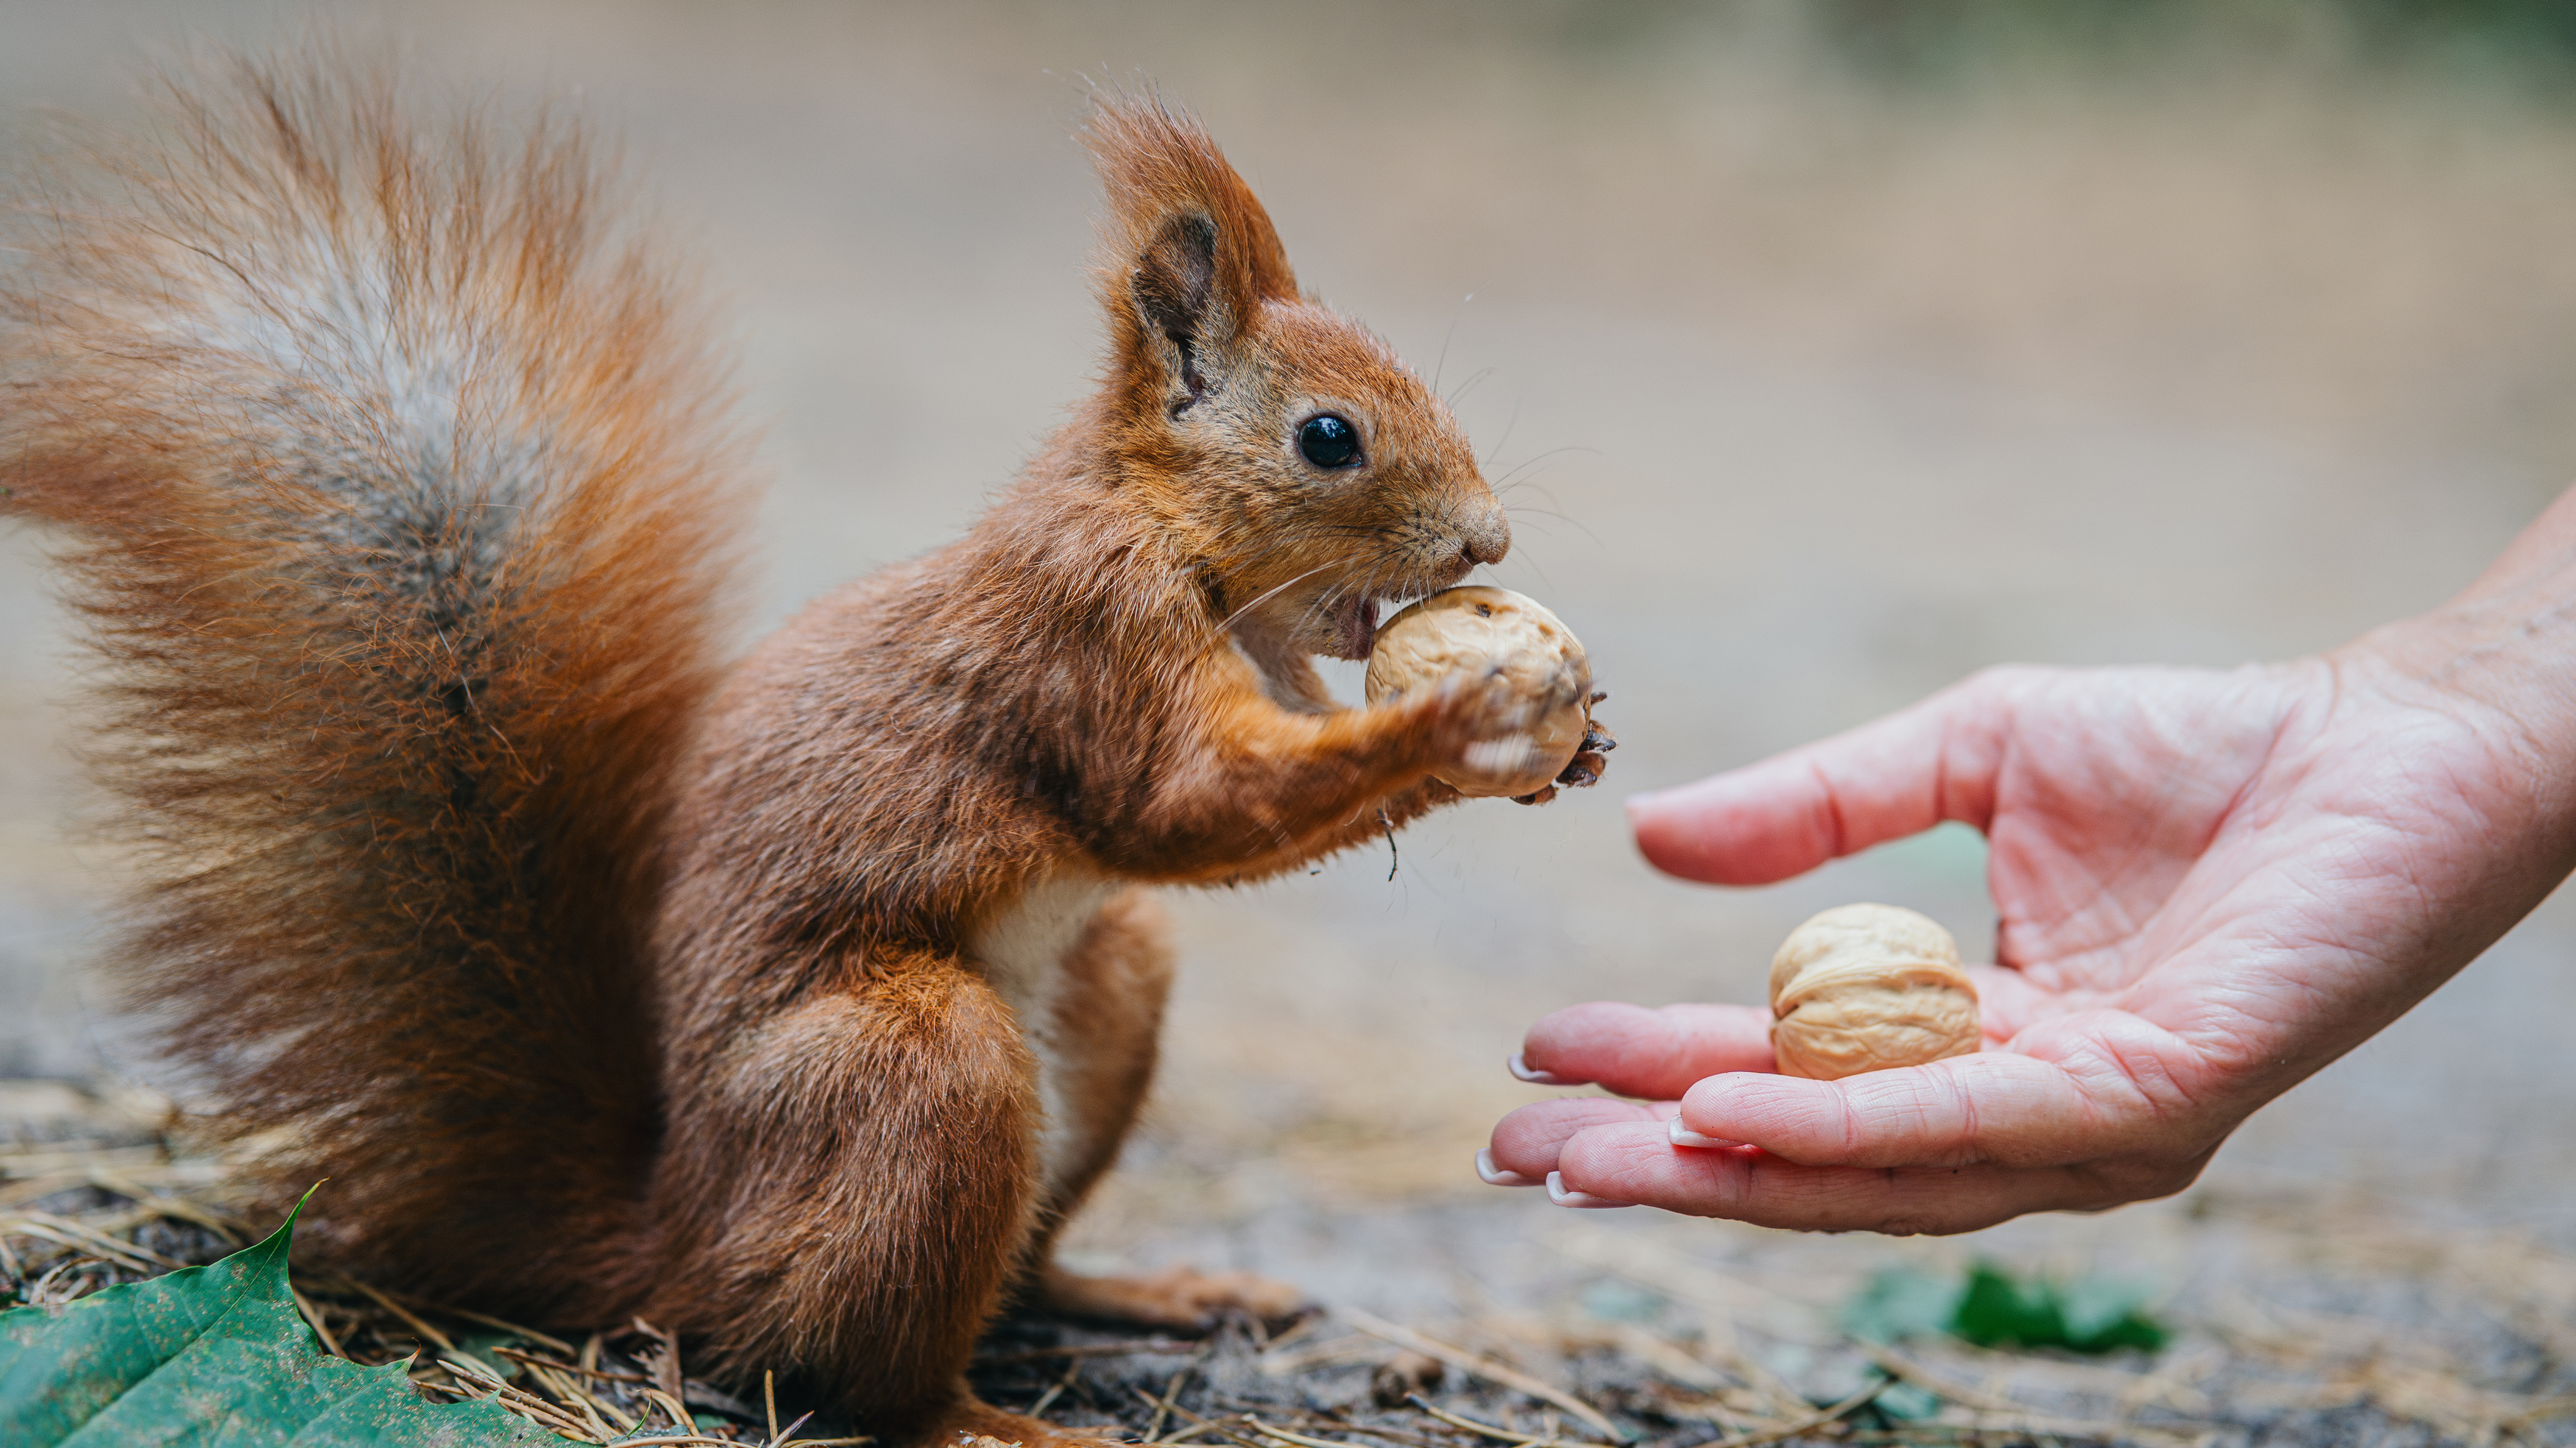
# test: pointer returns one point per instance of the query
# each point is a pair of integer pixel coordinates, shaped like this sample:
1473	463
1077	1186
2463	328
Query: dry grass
2399	1335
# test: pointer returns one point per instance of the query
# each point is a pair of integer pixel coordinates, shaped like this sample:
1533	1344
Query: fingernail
1523	1070
1495	1176
1681	1135
1564	1196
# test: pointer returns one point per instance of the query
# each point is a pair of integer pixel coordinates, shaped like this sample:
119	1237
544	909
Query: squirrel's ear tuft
1188	252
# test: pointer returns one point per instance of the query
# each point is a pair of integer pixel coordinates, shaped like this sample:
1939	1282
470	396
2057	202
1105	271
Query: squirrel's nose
1487	537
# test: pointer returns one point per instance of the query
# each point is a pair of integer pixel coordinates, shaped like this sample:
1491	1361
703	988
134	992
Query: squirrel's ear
1188	254
1174	281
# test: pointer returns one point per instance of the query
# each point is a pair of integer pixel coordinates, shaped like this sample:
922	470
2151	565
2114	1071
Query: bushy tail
397	494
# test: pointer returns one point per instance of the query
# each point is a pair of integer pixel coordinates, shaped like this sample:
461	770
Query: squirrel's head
1305	470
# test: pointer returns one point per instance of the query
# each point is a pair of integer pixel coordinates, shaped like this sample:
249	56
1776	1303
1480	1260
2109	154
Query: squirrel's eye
1328	441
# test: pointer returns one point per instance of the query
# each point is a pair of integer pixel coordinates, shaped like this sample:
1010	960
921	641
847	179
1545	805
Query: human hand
2209	886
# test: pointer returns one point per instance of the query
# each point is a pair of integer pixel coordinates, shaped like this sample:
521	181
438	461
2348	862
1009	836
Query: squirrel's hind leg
847	1186
1096	1054
1109	1014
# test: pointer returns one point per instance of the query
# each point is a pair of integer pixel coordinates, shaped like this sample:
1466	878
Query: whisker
1497	449
1563	518
1272	593
1529	463
1444	340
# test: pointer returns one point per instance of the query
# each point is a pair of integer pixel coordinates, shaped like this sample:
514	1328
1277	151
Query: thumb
1882	781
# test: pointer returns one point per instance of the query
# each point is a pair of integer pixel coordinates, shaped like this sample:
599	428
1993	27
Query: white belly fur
1022	950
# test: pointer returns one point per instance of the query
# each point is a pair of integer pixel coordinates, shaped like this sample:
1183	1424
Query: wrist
2498	666
2507	642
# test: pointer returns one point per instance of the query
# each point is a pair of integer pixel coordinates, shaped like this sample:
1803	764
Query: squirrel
792	1002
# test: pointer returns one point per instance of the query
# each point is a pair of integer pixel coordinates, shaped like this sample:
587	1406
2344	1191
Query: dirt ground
1815	389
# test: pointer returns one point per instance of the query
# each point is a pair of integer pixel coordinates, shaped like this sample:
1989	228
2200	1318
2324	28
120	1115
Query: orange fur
797	1005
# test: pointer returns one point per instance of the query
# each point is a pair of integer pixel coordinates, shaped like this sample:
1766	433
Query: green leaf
2091	1316
215	1355
2102	1315
1993	1308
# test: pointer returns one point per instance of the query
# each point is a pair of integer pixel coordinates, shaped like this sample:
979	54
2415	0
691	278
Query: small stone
1410	1373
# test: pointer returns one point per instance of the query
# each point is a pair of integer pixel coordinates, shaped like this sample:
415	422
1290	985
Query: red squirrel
795	1002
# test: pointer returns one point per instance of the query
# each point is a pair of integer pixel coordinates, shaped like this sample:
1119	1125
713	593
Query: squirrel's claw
1583	771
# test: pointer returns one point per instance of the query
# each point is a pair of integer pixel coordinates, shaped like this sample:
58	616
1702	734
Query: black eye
1328	441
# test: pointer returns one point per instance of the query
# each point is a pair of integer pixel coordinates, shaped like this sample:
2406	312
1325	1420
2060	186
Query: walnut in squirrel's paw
1869	988
1478	631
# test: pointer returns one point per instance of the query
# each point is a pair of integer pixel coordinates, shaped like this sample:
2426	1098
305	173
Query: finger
1632	1162
1525	1143
1883	781
1993	1106
1639	1052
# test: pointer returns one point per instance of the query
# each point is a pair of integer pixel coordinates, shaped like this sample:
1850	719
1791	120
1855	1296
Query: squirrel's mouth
1354	626
1354	618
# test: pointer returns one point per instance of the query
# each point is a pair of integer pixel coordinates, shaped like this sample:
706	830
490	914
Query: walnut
1495	632
1866	988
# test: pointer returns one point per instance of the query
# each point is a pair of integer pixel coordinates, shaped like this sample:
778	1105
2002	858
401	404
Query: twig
1491	1371
525	1404
677	1411
580	1402
532	1360
1898	1365
1342	1422
769	1396
530	1333
1807	1424
313	1316
427	1332
44	1226
1163	1408
1087	1350
1300	1439
1047	1399
668	1367
2021	1416
1392	858
1290	1361
1502	1435
176	1208
583	1403
1215	1426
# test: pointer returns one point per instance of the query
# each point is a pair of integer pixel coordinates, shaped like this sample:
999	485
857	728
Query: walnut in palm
1869	988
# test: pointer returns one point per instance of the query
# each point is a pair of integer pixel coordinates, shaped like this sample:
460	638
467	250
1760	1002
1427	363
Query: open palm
2208	886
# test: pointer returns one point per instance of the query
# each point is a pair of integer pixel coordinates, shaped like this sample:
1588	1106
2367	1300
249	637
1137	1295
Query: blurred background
1827	351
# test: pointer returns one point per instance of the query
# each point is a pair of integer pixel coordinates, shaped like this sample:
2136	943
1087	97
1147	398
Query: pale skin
2208	886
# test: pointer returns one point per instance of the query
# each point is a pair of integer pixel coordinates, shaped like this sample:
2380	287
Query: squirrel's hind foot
1182	1298
977	1424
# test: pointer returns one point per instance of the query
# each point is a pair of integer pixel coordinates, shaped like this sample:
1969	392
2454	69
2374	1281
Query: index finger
1788	814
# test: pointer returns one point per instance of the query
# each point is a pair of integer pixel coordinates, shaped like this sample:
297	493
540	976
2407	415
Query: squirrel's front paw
1480	722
